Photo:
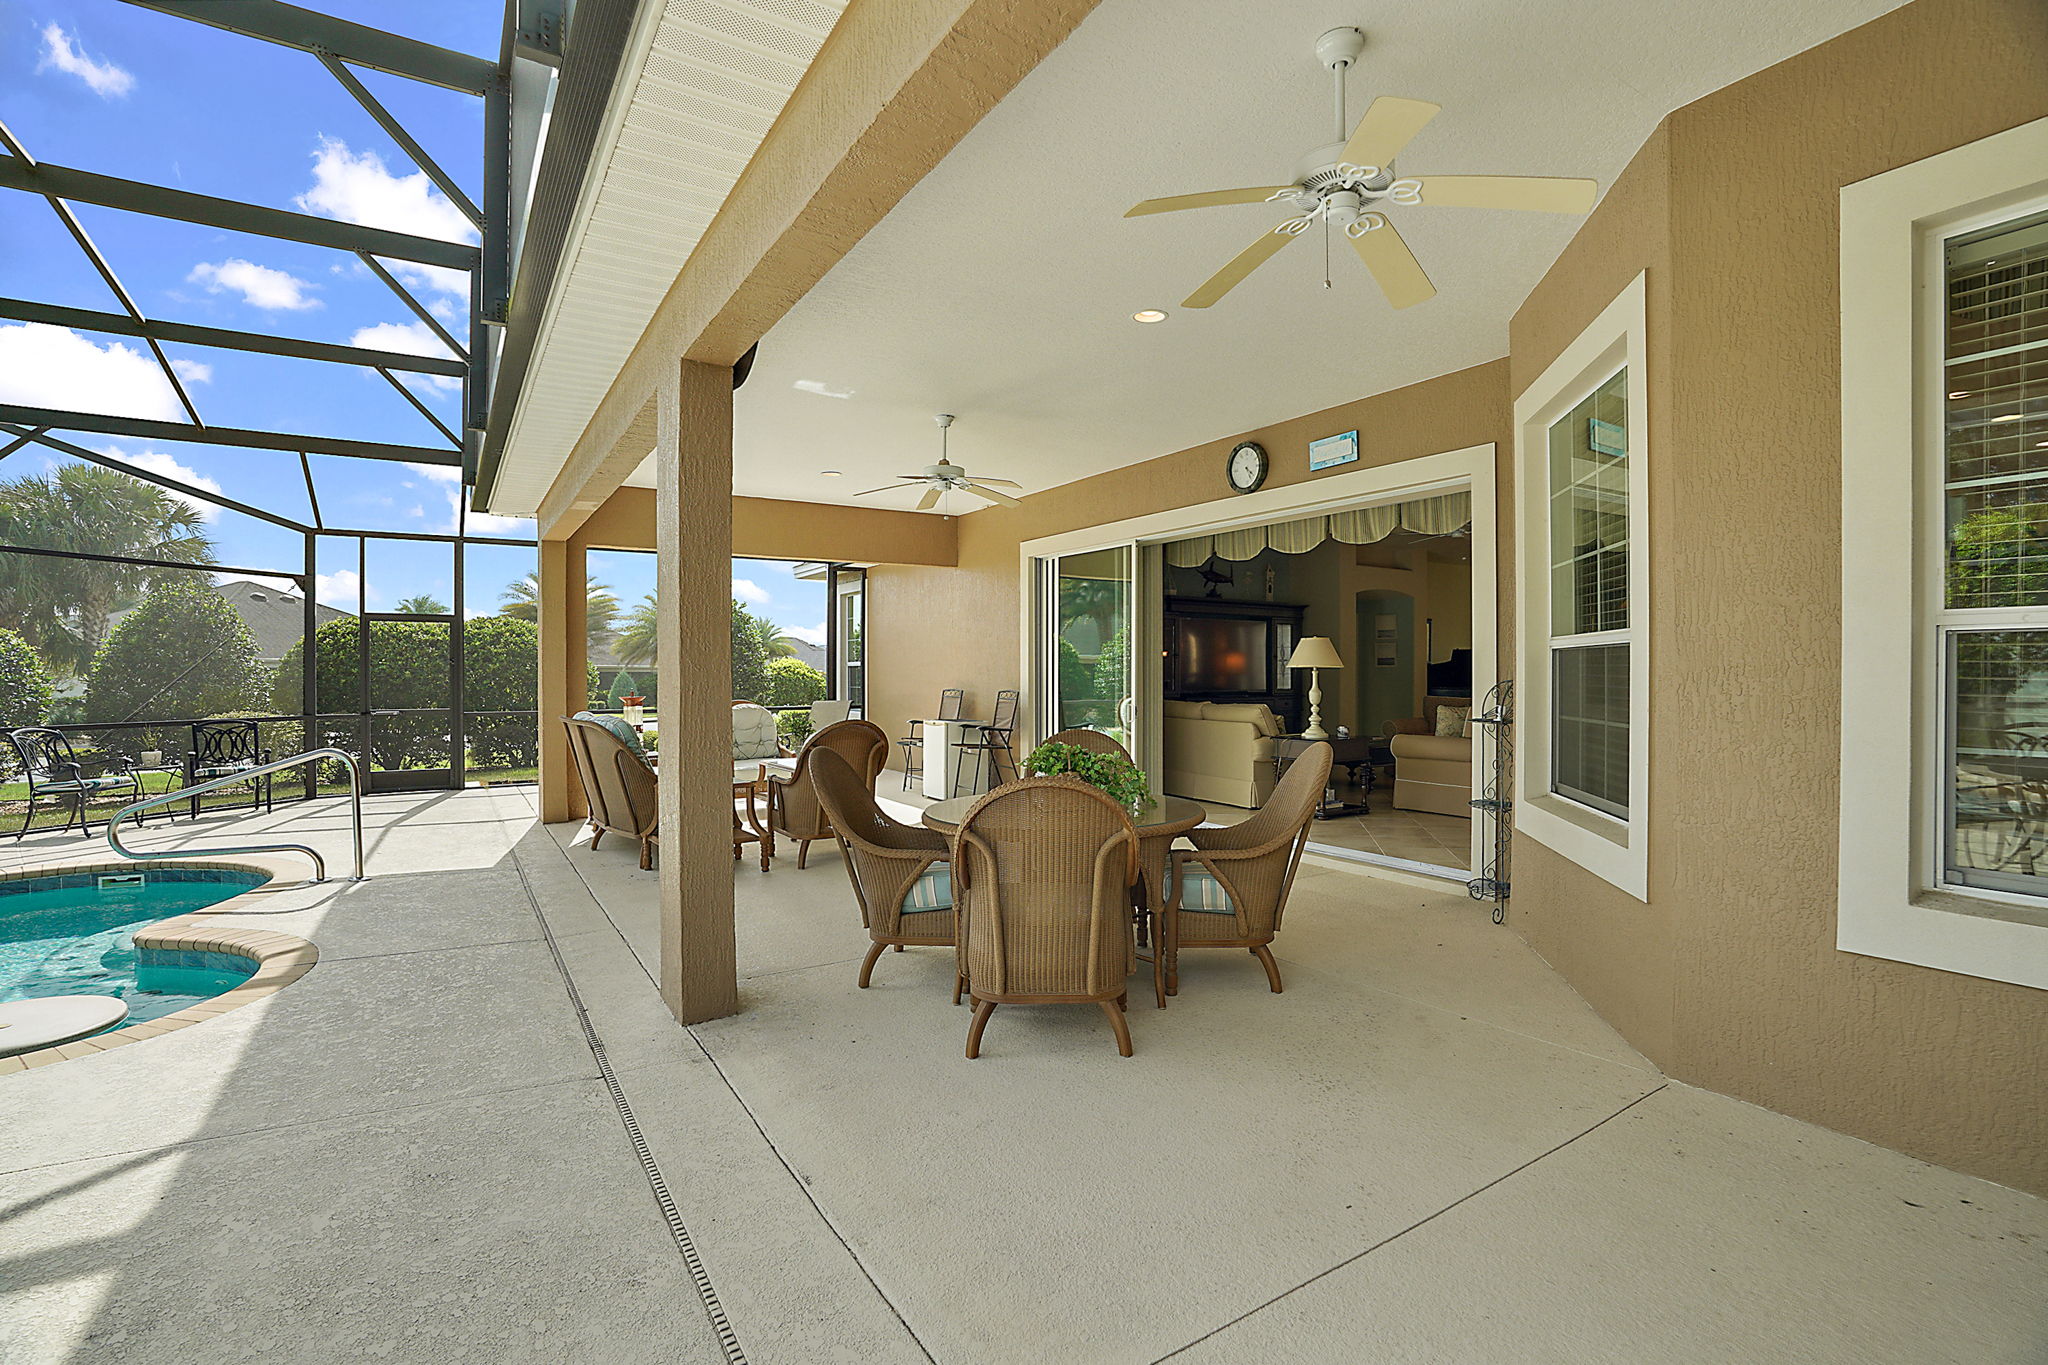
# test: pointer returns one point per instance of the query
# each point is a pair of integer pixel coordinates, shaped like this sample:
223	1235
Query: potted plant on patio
1115	776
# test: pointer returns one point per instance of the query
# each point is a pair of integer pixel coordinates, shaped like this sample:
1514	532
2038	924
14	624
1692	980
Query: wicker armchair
901	878
618	786
1231	889
793	808
1042	873
1094	741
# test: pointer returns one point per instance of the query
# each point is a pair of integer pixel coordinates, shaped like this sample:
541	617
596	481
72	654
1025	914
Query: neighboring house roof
275	616
814	655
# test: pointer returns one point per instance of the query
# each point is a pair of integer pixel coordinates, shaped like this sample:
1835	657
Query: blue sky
125	91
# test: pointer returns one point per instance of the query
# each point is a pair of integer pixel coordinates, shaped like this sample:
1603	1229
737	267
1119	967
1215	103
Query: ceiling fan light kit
946	477
1343	184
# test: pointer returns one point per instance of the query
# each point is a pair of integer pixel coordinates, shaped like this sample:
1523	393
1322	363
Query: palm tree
635	643
61	606
423	604
601	607
776	643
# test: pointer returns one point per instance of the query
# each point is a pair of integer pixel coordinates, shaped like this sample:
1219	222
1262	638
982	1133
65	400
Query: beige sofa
1218	751
1431	772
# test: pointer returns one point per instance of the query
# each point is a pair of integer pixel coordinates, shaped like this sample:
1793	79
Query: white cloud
259	285
810	635
54	367
337	589
409	338
155	462
193	371
61	51
356	187
746	590
480	523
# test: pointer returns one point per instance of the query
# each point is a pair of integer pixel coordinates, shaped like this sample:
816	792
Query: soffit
705	81
1001	287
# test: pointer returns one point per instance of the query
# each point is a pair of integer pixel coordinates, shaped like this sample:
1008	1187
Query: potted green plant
1115	776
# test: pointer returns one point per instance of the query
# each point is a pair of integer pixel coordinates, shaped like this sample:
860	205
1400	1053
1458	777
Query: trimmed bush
792	682
183	654
25	691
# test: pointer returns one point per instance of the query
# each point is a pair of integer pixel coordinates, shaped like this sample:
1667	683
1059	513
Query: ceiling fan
1345	184
945	476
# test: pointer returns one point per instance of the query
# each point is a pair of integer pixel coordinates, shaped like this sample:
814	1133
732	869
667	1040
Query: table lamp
1315	653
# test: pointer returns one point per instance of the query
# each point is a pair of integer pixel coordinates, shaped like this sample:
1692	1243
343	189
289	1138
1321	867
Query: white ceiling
1001	288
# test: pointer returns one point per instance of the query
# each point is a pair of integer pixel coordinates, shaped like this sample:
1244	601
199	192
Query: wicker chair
1231	889
793	808
901	878
618	786
1095	741
1042	871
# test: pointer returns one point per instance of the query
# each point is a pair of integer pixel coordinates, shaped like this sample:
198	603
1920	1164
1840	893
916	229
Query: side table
1362	754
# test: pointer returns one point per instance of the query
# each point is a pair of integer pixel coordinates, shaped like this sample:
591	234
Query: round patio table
1157	828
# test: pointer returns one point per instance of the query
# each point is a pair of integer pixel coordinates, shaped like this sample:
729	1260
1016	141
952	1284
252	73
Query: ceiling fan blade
930	498
1393	265
1386	128
1207	199
1004	498
1537	193
999	483
1241	265
885	488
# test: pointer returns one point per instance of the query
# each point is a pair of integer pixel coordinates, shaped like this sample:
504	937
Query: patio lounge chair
618	786
793	808
52	769
1231	889
1042	873
901	878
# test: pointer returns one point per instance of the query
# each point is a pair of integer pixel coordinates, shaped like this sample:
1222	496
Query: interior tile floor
1412	835
1427	1149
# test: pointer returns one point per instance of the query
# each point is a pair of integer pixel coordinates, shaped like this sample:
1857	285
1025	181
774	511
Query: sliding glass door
1086	618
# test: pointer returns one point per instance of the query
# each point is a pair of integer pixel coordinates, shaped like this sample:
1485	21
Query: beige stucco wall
769	528
1729	977
936	628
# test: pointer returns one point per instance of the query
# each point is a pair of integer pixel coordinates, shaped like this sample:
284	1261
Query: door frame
1473	469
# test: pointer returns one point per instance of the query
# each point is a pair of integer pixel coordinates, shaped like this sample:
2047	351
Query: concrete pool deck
1428	1149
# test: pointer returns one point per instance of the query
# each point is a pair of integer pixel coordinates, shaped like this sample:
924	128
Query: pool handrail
355	796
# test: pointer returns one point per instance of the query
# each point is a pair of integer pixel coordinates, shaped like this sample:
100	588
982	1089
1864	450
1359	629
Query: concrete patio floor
1427	1149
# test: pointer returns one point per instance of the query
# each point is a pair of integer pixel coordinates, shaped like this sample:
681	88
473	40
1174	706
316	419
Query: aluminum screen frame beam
150	430
151	476
86	319
308	31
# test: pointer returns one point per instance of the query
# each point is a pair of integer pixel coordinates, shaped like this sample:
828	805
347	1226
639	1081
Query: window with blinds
1589	609
1993	624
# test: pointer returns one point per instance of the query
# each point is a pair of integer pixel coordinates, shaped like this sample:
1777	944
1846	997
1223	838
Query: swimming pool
74	934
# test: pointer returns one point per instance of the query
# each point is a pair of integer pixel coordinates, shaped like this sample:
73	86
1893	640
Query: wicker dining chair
1042	871
793	808
901	878
619	789
1231	889
1095	741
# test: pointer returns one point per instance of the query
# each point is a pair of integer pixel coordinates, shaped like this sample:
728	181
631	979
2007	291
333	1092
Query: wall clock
1246	467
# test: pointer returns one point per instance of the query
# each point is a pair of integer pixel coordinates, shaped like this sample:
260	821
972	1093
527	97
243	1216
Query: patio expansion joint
1424	1221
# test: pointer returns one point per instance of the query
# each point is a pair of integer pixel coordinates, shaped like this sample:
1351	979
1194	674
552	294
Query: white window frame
1891	902
1613	848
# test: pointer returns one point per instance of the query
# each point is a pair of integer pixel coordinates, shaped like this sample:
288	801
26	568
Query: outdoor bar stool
991	744
952	702
52	769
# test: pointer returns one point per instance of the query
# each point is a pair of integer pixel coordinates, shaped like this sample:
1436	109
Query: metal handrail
355	785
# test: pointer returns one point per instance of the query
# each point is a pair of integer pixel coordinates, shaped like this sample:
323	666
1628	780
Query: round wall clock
1246	467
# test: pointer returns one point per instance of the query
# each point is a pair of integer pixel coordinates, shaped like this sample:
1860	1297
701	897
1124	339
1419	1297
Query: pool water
63	935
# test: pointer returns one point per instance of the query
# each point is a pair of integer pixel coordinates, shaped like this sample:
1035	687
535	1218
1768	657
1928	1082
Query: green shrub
26	695
792	682
793	727
623	686
184	653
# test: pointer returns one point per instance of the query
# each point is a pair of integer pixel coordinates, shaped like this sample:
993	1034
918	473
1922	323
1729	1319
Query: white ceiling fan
945	476
1346	183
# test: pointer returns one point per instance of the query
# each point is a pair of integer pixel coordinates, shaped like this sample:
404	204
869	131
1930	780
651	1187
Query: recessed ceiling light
1149	315
829	473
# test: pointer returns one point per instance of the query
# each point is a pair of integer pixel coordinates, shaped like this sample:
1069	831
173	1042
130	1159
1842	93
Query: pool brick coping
280	958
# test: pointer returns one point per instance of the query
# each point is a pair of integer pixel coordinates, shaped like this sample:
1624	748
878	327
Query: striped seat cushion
1202	894
932	891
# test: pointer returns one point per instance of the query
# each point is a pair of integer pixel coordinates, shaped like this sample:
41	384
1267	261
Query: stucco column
693	584
564	674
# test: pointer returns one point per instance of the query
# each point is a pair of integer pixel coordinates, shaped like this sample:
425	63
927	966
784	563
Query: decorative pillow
1450	721
1202	894
932	891
627	735
753	733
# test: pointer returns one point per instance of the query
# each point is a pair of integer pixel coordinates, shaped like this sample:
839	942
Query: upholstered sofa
1217	751
1432	772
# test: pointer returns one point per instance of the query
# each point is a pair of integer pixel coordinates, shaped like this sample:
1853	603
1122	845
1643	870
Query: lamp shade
1314	651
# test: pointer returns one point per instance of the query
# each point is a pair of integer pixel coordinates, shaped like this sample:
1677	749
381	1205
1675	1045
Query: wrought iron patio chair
51	768
902	879
1042	873
952	702
222	748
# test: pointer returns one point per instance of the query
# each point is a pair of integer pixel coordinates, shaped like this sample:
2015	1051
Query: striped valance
1438	516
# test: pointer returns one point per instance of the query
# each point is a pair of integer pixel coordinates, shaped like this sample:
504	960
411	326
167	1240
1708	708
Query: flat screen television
1222	654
